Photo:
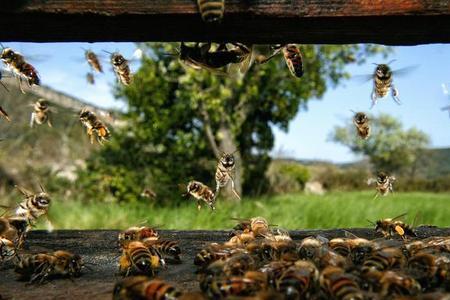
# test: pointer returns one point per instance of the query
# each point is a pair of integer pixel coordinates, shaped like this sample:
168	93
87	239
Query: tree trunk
228	145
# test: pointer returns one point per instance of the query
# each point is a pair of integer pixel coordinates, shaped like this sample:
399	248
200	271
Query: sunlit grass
293	211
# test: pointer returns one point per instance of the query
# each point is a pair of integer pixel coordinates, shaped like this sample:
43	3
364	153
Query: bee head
227	160
7	53
193	186
42	104
360	118
382	177
117	59
379	225
144	266
75	265
382	70
42	200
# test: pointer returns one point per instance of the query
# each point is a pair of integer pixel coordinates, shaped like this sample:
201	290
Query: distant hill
27	153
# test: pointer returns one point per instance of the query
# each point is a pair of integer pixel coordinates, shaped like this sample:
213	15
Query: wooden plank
100	248
397	22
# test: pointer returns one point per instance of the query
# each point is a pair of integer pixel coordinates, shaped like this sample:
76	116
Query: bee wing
348	234
371	181
400	216
404	71
199	66
444	88
362	78
24	191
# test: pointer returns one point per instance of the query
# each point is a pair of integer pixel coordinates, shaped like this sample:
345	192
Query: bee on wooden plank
292	57
390	227
137	259
20	67
211	10
141	287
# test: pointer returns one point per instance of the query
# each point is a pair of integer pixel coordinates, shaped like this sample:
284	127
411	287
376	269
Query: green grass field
294	211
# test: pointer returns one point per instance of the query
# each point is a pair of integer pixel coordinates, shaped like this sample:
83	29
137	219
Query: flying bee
40	267
292	57
34	206
384	184
340	285
202	57
141	287
121	68
390	227
168	249
361	122
93	61
4	114
201	192
90	78
22	69
137	234
95	128
139	259
41	113
211	10
224	170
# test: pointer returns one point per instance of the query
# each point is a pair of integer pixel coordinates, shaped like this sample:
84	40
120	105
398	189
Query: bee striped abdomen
293	59
382	86
222	176
211	10
159	290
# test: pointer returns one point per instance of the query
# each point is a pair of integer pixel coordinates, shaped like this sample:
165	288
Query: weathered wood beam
397	22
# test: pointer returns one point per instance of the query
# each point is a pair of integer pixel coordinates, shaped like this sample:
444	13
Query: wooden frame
399	22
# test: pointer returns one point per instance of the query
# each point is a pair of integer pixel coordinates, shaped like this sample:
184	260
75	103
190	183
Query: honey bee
361	122
298	281
42	266
201	192
137	234
13	229
340	285
90	78
383	77
213	253
148	193
247	285
384	259
390	227
211	10
137	259
167	248
41	113
258	225
7	249
95	128
384	184
201	57
292	57
430	269
397	283
4	114
141	287
121	68
34	206
224	170
17	64
241	238
93	61
238	264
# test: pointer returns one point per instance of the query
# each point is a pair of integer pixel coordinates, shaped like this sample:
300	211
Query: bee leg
32	119
376	195
216	193
395	95
233	189
199	206
374	99
20	85
49	123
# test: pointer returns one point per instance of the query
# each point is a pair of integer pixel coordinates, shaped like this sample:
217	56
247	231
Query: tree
390	147
180	119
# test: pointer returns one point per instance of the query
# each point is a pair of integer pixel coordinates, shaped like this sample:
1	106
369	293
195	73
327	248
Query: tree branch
209	132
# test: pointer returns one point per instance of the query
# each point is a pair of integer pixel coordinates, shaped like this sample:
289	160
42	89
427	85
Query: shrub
287	177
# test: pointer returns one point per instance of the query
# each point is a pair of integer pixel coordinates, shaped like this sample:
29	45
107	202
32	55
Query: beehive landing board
100	247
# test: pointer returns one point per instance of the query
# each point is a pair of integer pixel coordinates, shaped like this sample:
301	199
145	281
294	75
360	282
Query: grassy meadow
292	211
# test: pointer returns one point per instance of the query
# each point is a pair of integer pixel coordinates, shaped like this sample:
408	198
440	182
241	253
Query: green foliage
389	148
333	210
336	179
169	108
286	177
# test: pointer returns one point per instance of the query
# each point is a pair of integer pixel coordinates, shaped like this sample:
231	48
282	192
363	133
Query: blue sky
64	69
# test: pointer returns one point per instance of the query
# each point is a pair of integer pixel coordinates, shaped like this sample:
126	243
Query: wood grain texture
100	248
257	21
